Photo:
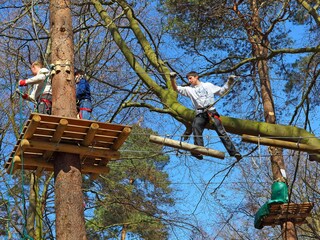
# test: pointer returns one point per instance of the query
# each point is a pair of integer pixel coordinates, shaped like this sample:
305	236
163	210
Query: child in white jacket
41	91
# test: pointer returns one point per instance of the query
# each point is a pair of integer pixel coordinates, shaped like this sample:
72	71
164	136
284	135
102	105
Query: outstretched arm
227	86
39	77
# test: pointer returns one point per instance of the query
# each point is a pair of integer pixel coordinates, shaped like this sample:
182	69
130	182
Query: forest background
127	49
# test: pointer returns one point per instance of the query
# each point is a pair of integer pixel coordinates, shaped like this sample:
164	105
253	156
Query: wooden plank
186	146
288	212
80	135
102	162
96	170
280	143
290	208
67	148
80	122
47	129
28	164
36	163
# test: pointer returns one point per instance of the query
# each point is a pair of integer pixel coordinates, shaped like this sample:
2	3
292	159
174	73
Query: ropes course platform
42	135
286	212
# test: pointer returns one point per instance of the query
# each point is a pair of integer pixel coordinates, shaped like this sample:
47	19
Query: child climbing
41	92
202	97
83	95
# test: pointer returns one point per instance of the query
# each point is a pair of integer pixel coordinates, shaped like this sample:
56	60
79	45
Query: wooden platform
287	212
43	135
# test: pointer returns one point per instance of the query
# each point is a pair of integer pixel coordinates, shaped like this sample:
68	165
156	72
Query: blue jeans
85	109
198	125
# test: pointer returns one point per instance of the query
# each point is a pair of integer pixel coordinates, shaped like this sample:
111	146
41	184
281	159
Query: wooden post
120	140
14	165
69	208
186	146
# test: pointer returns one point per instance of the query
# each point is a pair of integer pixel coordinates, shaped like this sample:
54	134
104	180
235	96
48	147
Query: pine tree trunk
67	169
260	46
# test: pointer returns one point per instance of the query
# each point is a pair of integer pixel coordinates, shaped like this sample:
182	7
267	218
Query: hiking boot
238	156
197	155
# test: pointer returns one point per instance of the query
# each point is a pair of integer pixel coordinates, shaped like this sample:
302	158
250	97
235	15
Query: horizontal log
75	149
280	143
186	146
95	169
41	165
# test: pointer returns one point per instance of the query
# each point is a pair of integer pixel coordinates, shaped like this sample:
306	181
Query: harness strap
47	102
214	115
85	109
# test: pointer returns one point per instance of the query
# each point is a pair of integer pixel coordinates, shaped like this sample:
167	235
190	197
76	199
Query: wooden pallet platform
287	212
43	135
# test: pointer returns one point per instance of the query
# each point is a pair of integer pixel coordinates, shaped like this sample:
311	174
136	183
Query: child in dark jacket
83	95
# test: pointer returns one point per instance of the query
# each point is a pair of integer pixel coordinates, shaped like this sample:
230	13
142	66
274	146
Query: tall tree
67	168
130	199
255	20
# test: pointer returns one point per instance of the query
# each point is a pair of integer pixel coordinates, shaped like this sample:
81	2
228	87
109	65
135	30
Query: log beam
67	148
186	146
14	165
22	146
280	143
94	170
90	134
122	137
34	122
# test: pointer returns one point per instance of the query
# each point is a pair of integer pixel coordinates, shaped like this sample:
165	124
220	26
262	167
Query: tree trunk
32	205
67	169
124	232
260	46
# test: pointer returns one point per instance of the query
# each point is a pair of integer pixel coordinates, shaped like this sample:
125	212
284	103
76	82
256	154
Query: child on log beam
202	96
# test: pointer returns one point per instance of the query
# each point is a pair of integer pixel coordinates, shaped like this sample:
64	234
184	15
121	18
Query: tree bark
124	232
70	222
260	46
32	205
